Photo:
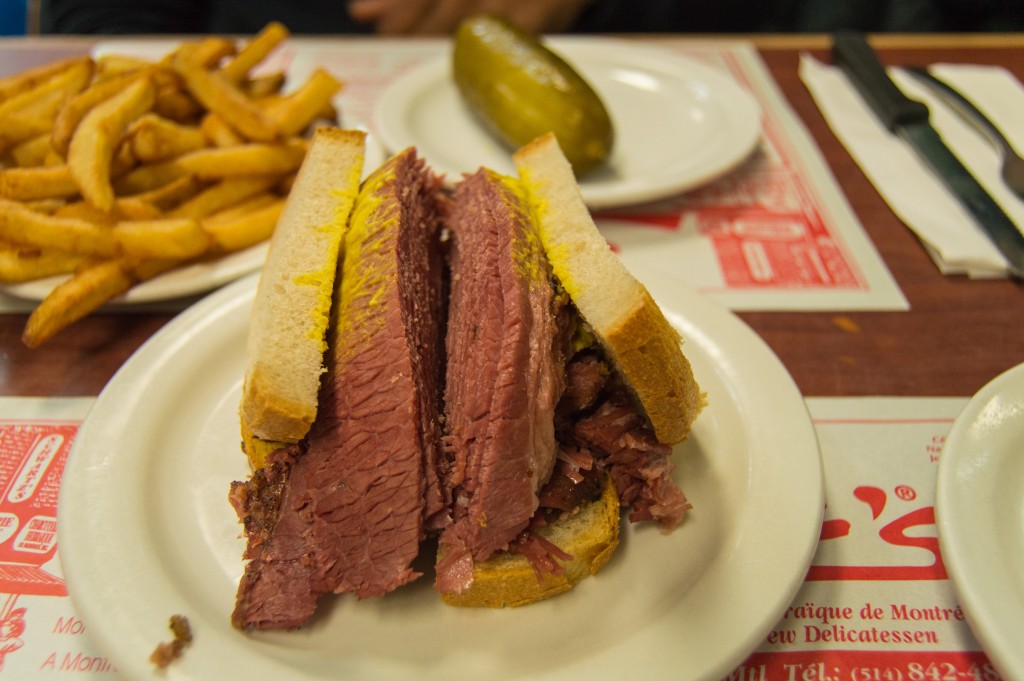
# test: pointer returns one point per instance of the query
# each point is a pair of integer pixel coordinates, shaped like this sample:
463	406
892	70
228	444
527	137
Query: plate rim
955	507
576	49
76	544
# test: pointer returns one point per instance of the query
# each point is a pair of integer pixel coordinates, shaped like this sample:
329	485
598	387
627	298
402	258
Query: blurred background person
435	17
396	17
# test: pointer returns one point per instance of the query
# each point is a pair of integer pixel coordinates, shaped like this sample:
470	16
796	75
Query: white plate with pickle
679	124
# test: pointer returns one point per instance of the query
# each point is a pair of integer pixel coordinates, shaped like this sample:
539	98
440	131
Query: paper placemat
876	605
776	234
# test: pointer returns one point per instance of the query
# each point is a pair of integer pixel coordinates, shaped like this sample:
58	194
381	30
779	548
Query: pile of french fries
115	169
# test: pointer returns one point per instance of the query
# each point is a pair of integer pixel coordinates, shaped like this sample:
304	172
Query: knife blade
909	119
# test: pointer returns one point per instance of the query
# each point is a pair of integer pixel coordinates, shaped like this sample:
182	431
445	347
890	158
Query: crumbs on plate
168	651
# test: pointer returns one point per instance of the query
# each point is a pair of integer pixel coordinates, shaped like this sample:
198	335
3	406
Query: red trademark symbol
906	492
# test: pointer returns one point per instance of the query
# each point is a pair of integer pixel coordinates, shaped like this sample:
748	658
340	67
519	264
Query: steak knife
908	119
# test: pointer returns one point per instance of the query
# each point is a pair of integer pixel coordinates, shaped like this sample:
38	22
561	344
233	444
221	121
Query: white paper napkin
954	240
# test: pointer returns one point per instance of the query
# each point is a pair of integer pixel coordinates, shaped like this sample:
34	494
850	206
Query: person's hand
426	17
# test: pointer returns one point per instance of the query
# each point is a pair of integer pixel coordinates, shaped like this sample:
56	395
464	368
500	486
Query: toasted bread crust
637	338
257	450
646	349
265	411
590	535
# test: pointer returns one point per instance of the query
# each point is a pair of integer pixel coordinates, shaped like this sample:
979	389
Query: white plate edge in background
981	531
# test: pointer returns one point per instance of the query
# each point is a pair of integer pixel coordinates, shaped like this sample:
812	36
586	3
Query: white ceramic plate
979	507
678	123
146	532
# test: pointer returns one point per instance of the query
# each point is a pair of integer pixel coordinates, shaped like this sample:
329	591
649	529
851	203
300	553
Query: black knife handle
852	53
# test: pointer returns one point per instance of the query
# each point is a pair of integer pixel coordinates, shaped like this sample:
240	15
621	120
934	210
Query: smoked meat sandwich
479	376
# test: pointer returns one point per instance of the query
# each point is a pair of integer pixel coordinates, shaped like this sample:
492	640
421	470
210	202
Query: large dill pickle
521	90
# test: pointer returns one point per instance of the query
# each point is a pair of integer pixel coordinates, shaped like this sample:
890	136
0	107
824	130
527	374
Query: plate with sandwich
472	444
678	123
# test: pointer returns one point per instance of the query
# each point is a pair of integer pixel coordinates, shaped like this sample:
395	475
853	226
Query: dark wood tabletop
957	335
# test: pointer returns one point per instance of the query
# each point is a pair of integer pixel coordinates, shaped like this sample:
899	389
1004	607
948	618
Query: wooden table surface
957	335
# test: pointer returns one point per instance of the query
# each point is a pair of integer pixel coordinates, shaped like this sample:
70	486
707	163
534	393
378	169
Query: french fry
144	178
255	51
174	238
228	192
246	159
167	238
18	265
218	94
130	208
124	159
242	208
113	65
72	113
83	210
207	53
45	98
45	206
219	133
93	285
175	104
244	226
172	193
264	85
147	269
90	287
134	208
41	182
154	138
15	84
32	152
294	112
93	145
53	159
16	129
24	227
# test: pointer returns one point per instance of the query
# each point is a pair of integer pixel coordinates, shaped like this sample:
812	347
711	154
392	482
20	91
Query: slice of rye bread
589	534
287	330
638	340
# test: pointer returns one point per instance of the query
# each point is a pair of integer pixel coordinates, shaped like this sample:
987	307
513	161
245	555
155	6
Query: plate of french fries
132	179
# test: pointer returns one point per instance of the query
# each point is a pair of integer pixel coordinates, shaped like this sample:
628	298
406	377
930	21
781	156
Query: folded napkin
915	194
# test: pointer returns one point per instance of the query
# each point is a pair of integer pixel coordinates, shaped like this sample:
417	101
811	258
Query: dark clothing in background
239	17
330	16
901	16
601	16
